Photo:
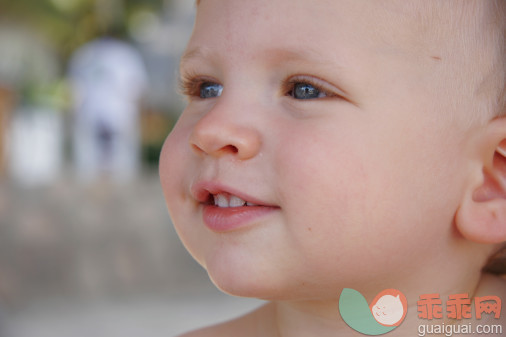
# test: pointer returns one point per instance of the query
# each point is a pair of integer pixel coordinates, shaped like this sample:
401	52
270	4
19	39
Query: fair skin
367	184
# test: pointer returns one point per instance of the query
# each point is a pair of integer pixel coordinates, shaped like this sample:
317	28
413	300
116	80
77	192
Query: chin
243	289
266	285
247	279
242	281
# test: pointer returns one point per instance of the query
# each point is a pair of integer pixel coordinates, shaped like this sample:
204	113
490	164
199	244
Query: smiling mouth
215	194
226	200
223	210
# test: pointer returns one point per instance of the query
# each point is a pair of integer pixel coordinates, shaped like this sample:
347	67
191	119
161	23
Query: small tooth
221	200
251	204
236	201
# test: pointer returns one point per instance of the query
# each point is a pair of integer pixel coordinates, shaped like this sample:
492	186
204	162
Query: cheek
356	201
172	164
323	183
326	188
175	170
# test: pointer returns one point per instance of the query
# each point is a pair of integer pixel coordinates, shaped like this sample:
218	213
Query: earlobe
482	214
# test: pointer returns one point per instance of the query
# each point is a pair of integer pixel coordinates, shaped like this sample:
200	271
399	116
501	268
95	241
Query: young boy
342	144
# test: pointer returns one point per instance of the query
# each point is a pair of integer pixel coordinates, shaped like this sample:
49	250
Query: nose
218	134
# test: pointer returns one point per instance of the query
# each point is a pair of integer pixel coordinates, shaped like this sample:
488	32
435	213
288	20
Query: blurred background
88	93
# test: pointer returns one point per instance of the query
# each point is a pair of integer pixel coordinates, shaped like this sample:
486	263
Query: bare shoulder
210	331
223	329
247	325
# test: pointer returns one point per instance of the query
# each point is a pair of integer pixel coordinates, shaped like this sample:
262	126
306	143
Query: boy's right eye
199	87
210	90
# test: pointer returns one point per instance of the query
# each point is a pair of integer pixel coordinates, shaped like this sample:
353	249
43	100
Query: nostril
231	148
196	148
223	150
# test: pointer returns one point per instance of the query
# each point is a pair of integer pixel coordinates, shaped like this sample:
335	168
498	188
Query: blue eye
302	90
210	90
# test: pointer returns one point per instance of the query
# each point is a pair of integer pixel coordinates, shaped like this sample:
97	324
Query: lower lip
224	219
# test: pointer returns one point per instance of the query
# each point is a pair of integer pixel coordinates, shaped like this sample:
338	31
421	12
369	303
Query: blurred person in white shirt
108	79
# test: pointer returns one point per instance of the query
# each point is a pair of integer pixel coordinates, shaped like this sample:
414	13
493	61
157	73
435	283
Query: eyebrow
194	54
300	55
274	55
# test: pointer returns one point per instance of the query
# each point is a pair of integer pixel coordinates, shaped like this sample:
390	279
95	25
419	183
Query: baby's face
321	130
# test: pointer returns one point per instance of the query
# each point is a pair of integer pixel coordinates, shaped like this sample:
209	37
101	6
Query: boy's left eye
210	90
302	87
303	90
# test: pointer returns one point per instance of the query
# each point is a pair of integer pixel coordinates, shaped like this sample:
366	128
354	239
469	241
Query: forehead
434	41
391	24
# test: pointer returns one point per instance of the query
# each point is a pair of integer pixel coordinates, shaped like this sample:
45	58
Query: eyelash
190	85
288	86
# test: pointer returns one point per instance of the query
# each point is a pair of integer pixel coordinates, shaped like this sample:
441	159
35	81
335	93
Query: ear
481	216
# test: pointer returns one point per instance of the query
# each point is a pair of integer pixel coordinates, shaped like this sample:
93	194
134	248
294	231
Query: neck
322	318
309	318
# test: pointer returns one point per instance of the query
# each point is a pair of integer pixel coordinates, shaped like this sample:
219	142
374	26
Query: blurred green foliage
70	23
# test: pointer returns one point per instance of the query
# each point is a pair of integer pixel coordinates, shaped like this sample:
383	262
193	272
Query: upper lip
202	191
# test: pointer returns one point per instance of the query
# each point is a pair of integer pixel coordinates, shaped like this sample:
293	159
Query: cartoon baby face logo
389	307
386	312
